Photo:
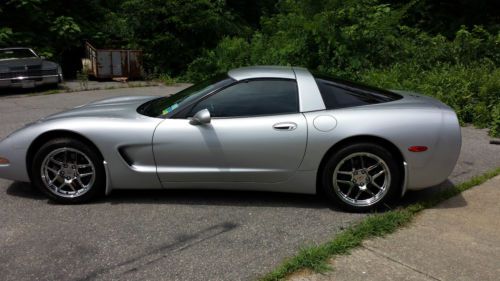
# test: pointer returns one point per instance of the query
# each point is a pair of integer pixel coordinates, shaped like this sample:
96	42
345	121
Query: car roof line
261	71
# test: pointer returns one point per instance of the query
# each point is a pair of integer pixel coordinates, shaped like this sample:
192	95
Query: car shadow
416	196
239	198
24	190
192	197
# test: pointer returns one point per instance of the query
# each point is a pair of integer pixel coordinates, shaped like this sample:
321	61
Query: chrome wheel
361	179
68	172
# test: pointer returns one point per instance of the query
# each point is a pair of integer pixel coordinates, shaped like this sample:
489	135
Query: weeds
83	79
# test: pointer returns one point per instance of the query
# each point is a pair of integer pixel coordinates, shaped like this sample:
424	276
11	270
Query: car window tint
338	97
252	98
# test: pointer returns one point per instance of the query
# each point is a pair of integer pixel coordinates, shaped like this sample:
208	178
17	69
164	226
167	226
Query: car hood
121	107
21	62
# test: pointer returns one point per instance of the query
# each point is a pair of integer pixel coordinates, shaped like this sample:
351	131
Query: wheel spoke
79	180
373	167
56	161
370	192
362	162
58	188
70	184
346	182
80	166
345	173
378	175
376	185
350	190
53	171
358	194
352	164
86	174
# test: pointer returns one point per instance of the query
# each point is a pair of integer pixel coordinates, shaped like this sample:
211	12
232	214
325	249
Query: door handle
285	126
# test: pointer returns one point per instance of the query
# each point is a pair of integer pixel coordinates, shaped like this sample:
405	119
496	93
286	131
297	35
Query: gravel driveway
169	235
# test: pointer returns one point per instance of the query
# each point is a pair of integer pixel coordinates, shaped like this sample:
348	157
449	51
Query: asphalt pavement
165	234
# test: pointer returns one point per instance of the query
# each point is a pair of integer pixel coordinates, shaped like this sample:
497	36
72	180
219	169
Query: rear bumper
30	81
444	157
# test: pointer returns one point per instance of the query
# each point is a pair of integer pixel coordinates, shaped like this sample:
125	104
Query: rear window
338	93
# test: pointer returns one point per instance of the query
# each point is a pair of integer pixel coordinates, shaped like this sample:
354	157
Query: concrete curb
459	239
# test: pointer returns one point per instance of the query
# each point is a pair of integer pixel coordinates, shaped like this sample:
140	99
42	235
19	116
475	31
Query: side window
252	98
337	97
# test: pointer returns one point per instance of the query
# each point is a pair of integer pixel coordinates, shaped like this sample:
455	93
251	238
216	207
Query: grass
167	79
378	225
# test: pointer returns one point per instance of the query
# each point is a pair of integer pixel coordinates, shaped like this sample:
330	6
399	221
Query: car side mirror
201	117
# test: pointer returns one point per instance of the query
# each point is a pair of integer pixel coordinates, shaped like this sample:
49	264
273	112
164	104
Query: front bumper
30	81
16	168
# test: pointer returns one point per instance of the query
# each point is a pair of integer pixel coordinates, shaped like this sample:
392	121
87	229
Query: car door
255	134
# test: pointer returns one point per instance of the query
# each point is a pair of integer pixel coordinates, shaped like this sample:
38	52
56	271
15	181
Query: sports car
262	128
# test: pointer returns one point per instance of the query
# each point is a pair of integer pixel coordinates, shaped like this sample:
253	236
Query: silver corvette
262	128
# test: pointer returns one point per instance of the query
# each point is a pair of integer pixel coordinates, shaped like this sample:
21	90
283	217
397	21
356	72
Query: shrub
166	79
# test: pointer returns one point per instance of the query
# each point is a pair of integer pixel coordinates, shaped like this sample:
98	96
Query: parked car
279	129
23	68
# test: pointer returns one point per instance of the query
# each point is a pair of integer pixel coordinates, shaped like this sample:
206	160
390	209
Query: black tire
95	186
341	194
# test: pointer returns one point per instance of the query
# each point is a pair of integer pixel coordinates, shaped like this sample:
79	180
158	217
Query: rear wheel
68	171
361	177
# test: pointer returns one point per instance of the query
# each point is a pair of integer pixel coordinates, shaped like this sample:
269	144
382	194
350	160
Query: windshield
161	107
16	54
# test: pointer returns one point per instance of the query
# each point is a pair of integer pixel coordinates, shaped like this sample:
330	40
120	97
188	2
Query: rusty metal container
112	63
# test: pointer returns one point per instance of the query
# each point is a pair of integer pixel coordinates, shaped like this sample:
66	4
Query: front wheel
68	171
361	177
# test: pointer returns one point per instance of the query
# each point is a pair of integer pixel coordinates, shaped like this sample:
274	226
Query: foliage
495	120
181	29
348	39
65	29
83	79
5	34
167	79
447	16
171	33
